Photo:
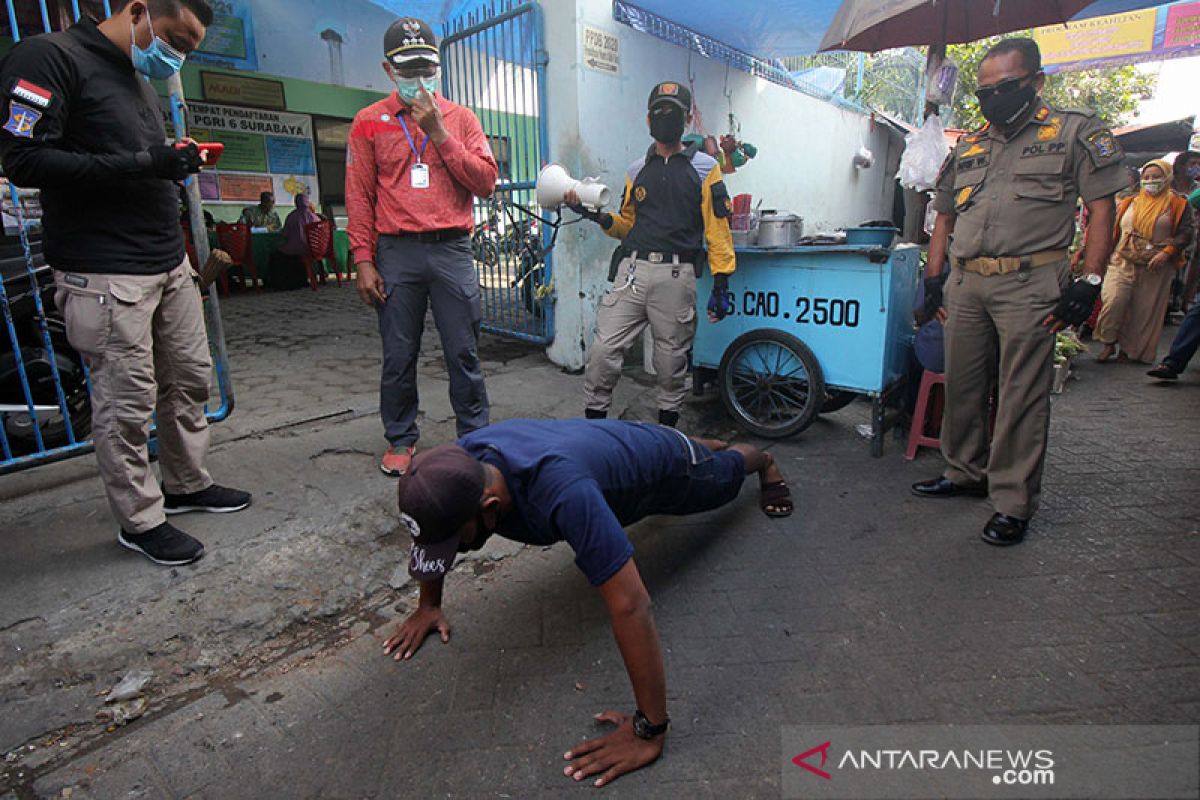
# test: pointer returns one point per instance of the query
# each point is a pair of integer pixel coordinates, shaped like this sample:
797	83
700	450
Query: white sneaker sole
174	563
209	509
391	473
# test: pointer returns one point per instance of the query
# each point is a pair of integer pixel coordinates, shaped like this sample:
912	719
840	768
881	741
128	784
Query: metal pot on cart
814	327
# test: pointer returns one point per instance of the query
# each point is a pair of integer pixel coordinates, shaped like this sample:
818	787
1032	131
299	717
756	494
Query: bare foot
775	497
711	444
1107	353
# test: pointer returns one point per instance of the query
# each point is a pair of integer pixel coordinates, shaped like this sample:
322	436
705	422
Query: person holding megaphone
674	217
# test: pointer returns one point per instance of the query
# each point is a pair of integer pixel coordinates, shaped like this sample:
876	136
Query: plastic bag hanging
924	152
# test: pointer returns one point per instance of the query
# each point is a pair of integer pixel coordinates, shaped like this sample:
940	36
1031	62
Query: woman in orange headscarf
1154	228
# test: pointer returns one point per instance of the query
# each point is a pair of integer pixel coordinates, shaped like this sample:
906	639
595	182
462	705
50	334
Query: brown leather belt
1002	265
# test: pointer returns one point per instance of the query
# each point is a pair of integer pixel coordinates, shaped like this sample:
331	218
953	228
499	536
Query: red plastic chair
235	240
319	236
928	410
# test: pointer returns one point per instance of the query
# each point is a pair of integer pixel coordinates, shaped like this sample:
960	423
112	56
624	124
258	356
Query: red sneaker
395	461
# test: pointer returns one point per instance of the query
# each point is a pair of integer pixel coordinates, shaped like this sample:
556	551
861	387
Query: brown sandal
776	499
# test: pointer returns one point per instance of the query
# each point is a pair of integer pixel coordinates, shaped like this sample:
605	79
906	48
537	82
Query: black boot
595	413
668	418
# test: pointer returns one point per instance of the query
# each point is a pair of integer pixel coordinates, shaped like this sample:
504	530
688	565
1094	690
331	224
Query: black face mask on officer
667	123
1004	104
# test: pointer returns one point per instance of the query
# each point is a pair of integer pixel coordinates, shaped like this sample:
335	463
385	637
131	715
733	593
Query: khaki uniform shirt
1014	196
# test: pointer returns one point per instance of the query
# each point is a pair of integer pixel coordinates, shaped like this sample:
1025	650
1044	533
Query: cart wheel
836	400
771	383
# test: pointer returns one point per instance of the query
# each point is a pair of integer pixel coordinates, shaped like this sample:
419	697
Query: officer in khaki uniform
1007	193
675	204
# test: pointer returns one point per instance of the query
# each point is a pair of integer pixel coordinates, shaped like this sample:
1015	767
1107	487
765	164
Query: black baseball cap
670	92
438	494
410	39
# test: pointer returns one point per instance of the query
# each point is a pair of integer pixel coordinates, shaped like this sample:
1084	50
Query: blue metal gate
45	411
494	62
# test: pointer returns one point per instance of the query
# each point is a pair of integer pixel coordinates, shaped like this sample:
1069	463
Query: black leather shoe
944	487
1003	530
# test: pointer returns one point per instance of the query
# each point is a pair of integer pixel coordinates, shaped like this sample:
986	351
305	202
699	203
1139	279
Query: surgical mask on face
1004	110
666	126
1153	185
159	60
409	88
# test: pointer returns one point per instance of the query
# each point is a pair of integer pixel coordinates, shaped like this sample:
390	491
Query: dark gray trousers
415	275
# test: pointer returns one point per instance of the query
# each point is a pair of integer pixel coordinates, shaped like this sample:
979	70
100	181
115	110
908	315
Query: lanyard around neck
419	153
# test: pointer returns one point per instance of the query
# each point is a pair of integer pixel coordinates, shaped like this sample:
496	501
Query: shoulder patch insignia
1105	145
973	150
21	120
639	194
32	93
963	195
1041	114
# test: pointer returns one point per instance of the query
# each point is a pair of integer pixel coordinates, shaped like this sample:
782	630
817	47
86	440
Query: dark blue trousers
417	275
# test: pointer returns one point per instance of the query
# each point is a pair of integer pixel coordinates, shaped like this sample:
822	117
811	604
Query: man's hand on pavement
428	115
613	755
412	632
370	284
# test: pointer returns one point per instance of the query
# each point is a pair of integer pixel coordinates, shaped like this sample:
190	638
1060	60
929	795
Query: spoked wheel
836	400
771	383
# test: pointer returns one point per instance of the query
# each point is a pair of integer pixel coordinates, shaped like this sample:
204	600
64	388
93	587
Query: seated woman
1153	231
287	263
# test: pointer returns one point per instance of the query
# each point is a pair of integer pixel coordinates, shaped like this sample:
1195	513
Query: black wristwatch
647	731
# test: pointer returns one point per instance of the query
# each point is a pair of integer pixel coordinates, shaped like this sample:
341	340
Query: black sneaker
164	544
217	499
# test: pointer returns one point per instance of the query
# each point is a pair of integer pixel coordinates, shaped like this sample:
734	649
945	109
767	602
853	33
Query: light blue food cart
814	326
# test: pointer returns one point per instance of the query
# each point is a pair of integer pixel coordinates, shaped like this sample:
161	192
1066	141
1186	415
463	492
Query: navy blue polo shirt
582	481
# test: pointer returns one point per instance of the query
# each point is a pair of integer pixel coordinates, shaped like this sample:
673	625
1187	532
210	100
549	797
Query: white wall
287	36
597	127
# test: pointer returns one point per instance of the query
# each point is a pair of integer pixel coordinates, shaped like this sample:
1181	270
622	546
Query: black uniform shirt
676	205
77	116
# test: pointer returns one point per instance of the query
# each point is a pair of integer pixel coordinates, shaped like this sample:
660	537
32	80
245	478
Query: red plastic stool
927	402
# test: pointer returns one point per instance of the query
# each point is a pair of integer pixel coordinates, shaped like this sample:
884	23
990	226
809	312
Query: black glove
720	302
933	292
601	218
174	163
1077	303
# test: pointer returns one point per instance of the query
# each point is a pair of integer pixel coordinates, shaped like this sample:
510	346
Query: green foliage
1113	93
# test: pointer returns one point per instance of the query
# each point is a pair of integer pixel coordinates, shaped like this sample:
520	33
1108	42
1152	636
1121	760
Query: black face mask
1003	110
667	126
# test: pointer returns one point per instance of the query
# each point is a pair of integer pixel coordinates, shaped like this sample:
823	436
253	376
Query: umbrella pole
933	62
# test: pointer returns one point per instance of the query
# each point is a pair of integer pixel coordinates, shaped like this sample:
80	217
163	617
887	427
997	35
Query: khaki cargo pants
144	340
661	295
994	332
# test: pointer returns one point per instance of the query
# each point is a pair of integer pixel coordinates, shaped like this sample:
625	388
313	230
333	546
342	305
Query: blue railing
493	62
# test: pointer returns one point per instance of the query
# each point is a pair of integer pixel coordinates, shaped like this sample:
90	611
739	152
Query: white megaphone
554	182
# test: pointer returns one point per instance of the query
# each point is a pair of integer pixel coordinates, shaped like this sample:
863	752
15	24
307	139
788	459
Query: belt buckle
654	258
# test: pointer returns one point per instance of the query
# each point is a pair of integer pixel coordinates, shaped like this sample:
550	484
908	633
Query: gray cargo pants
144	340
416	275
662	296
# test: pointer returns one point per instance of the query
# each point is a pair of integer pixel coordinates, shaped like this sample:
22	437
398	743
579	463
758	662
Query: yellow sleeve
721	260
622	221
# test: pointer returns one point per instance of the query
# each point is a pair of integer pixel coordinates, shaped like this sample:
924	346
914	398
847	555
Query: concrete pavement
867	606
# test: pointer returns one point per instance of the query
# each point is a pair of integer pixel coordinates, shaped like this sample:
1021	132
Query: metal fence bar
496	67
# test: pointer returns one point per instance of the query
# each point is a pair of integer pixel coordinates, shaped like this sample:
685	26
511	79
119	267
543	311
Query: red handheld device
210	152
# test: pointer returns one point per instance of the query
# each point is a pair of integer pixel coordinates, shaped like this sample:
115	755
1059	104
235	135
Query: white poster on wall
601	50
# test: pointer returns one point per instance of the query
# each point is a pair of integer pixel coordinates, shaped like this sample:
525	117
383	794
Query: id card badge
420	176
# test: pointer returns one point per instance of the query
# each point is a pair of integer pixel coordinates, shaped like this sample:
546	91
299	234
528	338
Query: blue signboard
230	39
290	156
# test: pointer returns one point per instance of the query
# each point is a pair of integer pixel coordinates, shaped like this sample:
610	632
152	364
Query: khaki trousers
144	340
1135	305
994	333
662	296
